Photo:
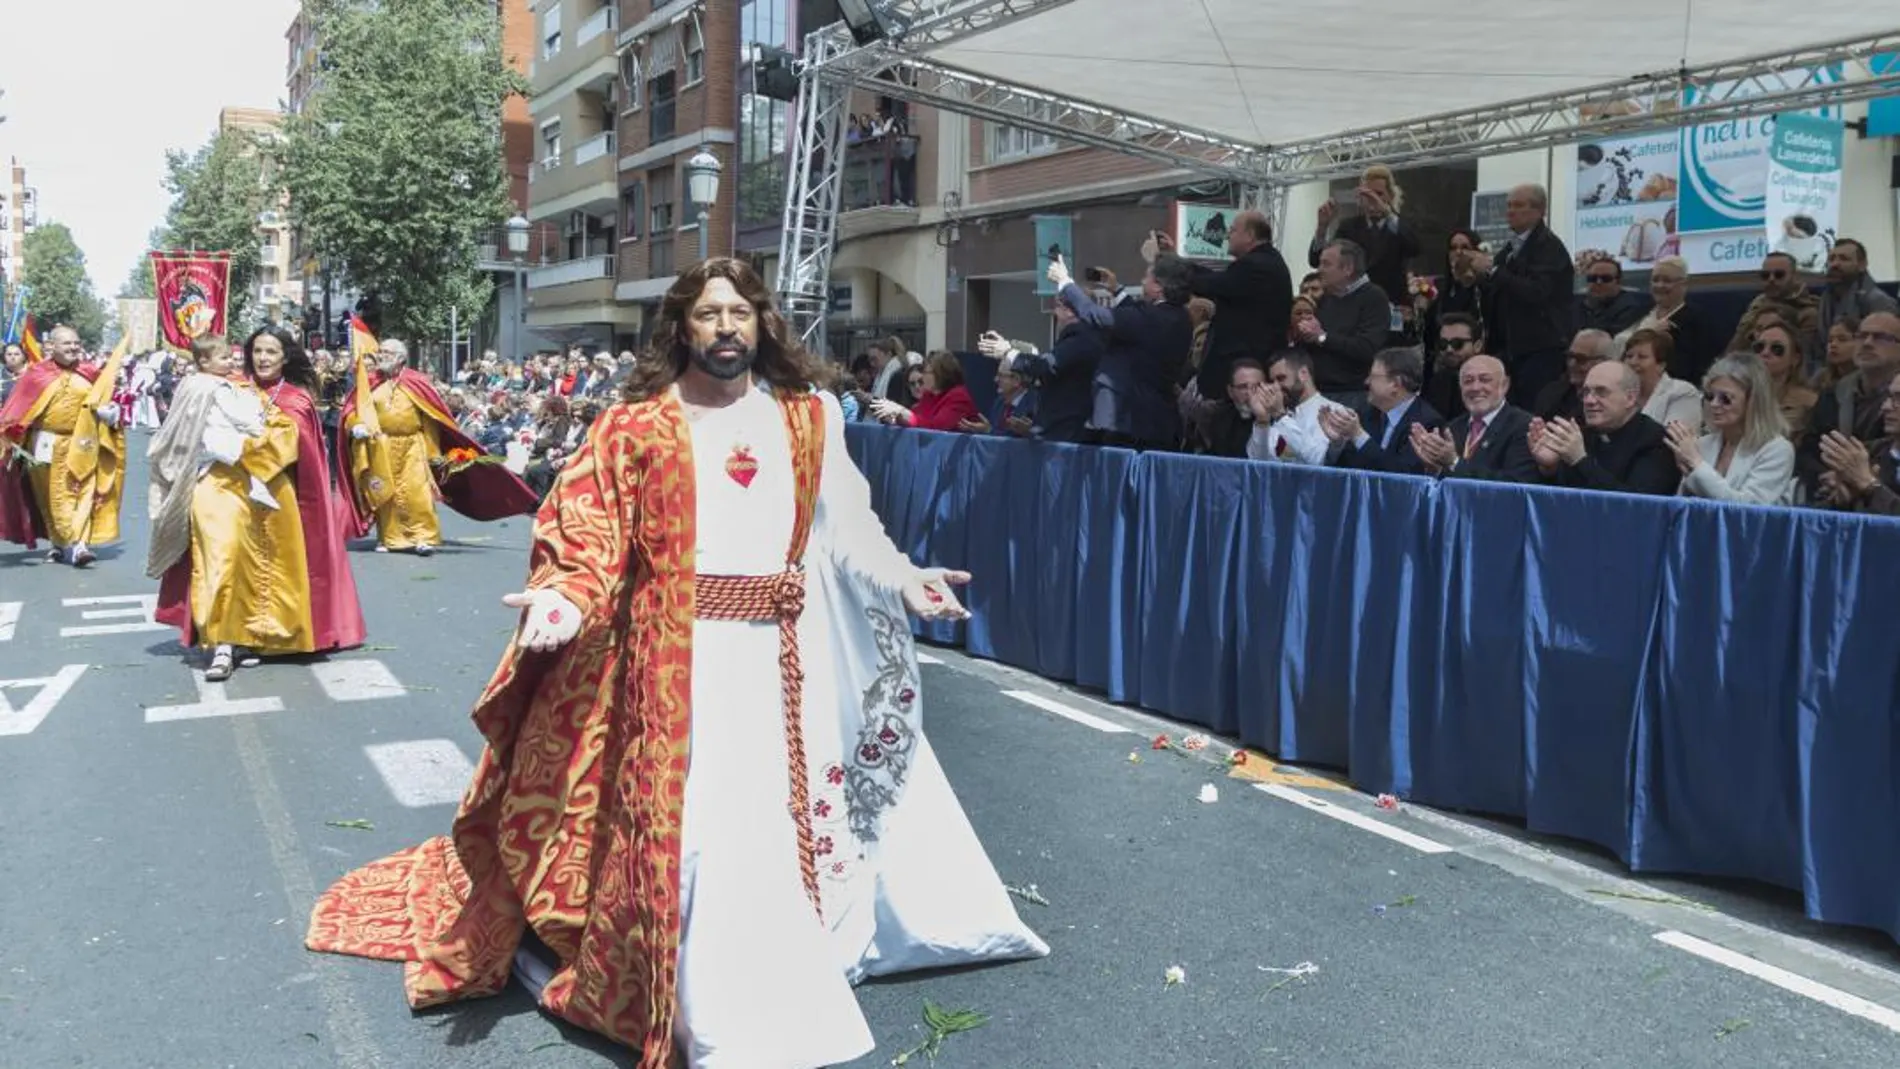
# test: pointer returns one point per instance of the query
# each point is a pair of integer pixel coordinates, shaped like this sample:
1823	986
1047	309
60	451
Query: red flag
193	294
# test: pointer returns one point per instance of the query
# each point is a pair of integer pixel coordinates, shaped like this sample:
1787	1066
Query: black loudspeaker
773	76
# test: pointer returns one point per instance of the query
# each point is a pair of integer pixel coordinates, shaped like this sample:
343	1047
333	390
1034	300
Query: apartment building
279	288
573	187
19	213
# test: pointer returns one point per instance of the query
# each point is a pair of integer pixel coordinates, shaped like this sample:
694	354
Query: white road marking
422	773
212	701
1787	981
1355	818
356	681
52	688
1089	720
145	606
9	618
925	658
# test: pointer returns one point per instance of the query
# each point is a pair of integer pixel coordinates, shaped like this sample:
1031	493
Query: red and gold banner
193	292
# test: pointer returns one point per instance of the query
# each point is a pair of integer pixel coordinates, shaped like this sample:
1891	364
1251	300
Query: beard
725	359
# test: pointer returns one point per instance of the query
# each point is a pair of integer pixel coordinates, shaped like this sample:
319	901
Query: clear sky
95	94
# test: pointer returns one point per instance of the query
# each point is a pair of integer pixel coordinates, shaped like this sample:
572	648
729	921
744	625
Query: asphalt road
160	846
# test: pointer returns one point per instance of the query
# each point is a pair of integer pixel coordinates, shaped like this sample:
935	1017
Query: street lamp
702	188
518	250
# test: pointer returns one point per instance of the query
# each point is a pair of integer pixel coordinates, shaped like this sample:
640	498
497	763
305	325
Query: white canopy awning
1276	71
1299	77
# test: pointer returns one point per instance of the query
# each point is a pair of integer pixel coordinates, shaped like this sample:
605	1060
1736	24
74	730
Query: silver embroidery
887	740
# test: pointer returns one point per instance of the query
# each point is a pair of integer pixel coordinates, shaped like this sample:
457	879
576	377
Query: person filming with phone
1387	239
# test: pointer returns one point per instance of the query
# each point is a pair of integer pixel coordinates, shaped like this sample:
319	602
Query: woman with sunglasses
1779	349
1746	456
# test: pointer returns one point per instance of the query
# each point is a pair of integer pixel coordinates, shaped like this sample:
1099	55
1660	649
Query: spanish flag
363	344
30	341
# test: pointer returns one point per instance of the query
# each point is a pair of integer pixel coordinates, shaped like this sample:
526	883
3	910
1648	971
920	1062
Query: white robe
763	984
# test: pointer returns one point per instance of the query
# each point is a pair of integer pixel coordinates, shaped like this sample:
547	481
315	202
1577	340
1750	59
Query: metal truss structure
899	67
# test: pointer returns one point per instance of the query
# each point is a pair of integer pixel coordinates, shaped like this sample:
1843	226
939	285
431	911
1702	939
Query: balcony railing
601	144
586	269
880	174
602	21
544	244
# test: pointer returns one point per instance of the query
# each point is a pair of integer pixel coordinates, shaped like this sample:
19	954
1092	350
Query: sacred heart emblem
742	466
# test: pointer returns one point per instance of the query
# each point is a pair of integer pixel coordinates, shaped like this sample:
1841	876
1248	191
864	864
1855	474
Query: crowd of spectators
1503	369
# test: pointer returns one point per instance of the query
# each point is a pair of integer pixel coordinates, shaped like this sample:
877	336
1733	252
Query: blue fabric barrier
1699	688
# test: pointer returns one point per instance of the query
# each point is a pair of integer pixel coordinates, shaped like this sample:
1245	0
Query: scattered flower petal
1388	801
1175	975
1238	757
1160	743
1209	794
1134	758
1193	743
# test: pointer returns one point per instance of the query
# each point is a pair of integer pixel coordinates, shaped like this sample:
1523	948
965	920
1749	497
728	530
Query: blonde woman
1746	456
1779	349
1665	400
1389	241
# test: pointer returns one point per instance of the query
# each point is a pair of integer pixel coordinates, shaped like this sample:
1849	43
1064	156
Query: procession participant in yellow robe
228	536
61	478
428	459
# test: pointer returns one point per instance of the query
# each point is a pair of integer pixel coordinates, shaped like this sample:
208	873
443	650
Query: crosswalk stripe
424	772
356	681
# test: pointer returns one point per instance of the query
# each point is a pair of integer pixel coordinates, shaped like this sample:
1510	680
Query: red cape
20	519
480	492
336	617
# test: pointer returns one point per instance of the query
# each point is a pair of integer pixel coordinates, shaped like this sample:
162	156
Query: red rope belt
758	599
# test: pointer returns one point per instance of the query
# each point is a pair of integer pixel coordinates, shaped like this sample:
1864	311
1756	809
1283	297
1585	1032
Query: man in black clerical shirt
1617	449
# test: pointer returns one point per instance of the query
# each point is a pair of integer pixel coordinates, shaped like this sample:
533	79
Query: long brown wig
779	361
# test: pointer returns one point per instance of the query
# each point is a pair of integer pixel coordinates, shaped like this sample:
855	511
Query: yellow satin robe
408	519
75	511
250	585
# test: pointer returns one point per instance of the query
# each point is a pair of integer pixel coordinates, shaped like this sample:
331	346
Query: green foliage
395	167
62	293
217	194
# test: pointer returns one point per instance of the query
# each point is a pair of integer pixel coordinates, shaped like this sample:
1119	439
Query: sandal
223	663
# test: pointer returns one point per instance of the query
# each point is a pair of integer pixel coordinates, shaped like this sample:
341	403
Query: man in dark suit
1490	441
1618	448
1384	443
1064	378
1253	299
1146	345
1527	288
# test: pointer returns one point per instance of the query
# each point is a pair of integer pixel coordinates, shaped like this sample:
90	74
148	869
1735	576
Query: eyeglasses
1773	276
1719	397
1773	348
1600	278
1455	343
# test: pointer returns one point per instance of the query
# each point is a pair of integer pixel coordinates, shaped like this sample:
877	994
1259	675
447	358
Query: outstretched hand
928	596
548	622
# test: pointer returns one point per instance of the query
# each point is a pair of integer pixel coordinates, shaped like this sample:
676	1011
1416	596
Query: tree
217	194
61	292
394	167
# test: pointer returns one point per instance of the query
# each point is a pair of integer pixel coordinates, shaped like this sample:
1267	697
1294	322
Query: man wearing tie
1490	441
1384	443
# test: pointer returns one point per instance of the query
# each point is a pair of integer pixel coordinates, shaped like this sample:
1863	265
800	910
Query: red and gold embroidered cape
572	822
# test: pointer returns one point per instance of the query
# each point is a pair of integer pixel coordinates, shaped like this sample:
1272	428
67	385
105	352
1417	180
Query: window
695	55
551	31
661	95
550	144
631	199
1010	142
761	152
660	214
764	22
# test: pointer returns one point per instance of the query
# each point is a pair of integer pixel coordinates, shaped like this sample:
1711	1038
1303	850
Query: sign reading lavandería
1802	205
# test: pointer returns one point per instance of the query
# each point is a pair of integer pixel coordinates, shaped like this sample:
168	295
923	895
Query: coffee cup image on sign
1803	239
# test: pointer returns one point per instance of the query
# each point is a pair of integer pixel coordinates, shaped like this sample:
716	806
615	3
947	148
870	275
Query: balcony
583	64
879	186
491	248
600	146
602	21
267	254
586	269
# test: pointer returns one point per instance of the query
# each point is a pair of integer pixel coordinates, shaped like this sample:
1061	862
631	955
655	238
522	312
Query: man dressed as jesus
705	792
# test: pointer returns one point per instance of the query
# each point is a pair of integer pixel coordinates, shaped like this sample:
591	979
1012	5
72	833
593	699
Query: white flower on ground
1175	975
1194	742
1209	793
